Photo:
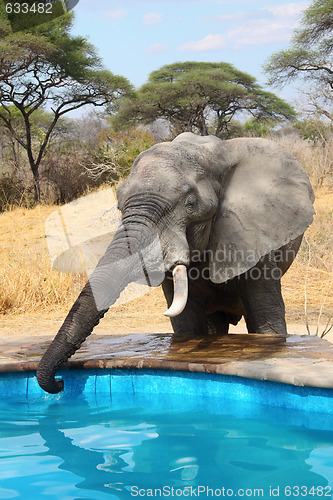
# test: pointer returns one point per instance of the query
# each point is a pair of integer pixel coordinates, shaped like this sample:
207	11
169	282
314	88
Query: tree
195	96
309	56
47	67
5	28
39	124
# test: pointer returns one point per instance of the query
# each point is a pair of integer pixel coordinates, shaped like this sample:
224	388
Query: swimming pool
156	433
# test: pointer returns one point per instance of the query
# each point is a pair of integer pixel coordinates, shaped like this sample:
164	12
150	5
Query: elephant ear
267	201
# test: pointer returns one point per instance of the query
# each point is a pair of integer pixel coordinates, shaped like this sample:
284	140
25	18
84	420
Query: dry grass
27	281
320	233
31	292
318	285
316	159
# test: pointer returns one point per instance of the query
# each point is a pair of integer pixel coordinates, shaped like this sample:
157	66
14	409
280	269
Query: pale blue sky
136	37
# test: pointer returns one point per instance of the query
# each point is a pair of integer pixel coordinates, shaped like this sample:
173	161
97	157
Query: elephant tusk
180	285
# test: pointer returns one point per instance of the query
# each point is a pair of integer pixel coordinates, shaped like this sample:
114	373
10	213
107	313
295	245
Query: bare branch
10	127
305	287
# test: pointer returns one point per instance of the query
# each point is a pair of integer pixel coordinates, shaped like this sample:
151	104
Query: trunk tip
51	385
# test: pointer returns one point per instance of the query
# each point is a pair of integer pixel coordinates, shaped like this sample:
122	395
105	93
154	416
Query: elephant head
194	195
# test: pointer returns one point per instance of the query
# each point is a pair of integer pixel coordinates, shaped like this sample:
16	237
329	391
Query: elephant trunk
120	265
79	323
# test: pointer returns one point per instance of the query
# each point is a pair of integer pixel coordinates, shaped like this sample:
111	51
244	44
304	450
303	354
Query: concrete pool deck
300	360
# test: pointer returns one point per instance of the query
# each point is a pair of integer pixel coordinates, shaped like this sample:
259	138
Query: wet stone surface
295	359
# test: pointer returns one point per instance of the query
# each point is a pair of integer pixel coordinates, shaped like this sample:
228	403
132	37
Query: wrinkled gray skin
233	211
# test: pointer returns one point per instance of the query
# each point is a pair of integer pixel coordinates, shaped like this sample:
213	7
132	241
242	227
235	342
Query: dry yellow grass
27	281
31	293
317	275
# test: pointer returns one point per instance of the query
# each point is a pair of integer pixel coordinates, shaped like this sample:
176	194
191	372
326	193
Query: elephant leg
192	320
218	323
262	298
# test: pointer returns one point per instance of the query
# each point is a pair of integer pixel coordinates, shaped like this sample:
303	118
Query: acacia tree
195	96
48	67
309	57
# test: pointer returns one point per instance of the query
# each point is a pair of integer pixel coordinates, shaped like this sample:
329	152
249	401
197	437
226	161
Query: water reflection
81	449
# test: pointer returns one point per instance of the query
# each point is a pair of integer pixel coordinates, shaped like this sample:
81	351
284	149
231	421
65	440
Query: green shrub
253	128
315	130
116	153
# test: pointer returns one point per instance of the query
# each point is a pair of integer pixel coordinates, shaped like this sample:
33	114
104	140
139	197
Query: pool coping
296	360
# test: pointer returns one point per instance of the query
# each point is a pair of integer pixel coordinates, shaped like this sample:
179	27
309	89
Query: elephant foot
268	328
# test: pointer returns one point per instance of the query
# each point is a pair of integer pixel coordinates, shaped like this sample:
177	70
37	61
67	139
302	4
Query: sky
136	37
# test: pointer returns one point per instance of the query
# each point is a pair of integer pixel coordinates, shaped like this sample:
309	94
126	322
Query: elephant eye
191	201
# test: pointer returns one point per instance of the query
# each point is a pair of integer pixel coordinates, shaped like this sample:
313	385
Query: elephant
217	223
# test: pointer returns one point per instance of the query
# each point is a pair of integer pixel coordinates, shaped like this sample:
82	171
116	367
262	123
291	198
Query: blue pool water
140	434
